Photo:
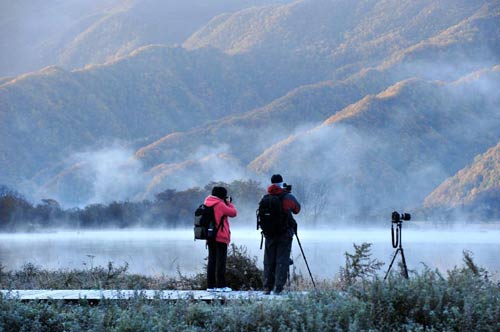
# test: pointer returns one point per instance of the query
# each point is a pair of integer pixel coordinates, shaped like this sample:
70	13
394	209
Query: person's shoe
278	291
210	289
267	291
224	289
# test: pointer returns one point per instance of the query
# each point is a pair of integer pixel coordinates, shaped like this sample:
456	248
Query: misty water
169	252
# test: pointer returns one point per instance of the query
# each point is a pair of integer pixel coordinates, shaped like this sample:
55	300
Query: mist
204	165
104	175
169	252
390	150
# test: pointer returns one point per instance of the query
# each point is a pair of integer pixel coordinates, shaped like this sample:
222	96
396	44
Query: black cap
220	192
276	178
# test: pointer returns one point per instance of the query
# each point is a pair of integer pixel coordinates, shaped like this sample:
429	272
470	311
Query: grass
463	299
242	274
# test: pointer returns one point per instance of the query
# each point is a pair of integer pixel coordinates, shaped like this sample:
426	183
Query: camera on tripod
397	243
398	218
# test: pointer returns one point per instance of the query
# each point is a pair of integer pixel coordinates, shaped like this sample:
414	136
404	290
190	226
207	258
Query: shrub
359	265
461	300
242	272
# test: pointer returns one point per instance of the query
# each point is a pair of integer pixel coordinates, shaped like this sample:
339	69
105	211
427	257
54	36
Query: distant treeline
170	208
173	208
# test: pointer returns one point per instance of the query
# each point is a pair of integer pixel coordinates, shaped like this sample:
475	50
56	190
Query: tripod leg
405	268
392	262
305	260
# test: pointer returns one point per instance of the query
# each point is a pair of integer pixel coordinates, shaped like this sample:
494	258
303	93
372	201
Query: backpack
204	223
270	216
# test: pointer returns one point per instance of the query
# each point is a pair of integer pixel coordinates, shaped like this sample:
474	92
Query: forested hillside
49	114
76	33
473	191
335	39
392	149
377	101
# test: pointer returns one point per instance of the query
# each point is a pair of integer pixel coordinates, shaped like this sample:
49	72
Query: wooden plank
77	294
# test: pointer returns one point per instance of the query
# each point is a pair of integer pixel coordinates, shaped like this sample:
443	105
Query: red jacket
221	211
289	202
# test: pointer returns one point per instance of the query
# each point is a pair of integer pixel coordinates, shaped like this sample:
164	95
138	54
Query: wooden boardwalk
97	295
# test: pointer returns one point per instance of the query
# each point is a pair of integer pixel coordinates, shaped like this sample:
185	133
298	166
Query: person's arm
228	209
290	203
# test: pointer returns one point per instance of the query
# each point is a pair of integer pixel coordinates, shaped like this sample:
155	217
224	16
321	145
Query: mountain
156	90
458	49
259	129
33	33
247	135
144	22
73	34
368	98
392	149
333	39
190	173
474	187
243	137
320	100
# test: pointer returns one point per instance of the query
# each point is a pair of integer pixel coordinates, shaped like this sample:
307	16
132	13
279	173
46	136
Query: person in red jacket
217	249
279	246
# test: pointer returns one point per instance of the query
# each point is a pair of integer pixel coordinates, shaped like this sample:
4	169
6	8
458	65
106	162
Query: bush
31	276
359	265
427	301
242	272
465	299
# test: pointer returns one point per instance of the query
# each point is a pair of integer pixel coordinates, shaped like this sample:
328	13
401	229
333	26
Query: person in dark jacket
217	249
278	247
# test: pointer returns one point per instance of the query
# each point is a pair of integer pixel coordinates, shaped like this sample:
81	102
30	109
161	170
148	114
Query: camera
287	187
397	217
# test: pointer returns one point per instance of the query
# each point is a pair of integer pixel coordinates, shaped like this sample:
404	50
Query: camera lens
396	217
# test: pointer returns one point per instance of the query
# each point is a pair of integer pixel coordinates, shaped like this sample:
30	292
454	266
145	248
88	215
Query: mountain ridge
122	100
81	32
377	171
469	183
378	77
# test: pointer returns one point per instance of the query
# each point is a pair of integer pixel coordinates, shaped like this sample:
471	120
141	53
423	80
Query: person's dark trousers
277	260
216	267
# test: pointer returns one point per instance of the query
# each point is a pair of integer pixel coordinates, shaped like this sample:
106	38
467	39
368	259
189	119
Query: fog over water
157	252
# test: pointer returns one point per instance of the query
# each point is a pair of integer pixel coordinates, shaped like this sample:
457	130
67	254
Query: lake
169	252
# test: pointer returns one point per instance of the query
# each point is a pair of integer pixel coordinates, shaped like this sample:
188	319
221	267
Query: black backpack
270	216
204	223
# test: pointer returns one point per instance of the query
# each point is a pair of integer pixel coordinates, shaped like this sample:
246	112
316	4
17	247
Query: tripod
397	243
305	260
